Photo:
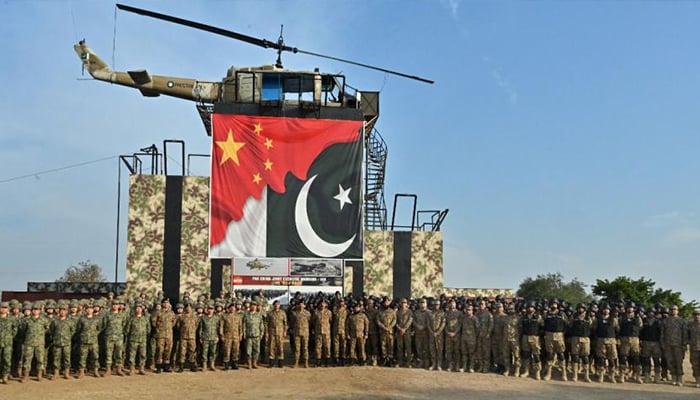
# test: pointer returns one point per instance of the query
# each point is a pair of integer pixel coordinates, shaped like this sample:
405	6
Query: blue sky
563	136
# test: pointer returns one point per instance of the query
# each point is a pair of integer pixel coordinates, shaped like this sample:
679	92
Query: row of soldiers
513	339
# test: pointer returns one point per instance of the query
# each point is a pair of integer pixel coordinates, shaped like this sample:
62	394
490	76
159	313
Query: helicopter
257	264
269	85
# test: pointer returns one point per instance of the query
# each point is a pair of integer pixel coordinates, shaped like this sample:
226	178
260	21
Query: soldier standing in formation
404	321
358	332
302	319
420	325
137	337
554	326
254	330
510	345
606	328
694	345
436	326
483	337
531	323
231	330
386	322
164	322
453	328
630	350
468	334
673	342
650	338
208	333
580	333
276	331
340	317
9	326
61	332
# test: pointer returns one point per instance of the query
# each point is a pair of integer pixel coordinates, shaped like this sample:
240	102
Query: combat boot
587	375
271	363
306	363
130	371
574	376
96	372
623	375
601	375
564	372
255	364
142	370
548	372
108	371
25	375
279	363
212	367
250	364
120	371
538	371
612	376
66	373
39	375
647	377
234	366
54	377
296	363
5	378
697	381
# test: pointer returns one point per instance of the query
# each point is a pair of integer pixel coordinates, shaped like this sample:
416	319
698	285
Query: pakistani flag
285	187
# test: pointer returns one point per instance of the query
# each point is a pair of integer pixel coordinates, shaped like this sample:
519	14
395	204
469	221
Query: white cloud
453	7
670	218
682	237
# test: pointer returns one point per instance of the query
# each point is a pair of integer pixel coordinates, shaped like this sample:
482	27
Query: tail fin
90	60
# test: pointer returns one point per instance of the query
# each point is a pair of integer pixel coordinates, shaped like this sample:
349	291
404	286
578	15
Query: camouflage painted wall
195	268
426	263
479	292
347	279
379	260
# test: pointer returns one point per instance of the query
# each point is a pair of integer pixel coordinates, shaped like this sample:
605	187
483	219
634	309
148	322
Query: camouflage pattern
114	329
88	332
195	267
144	249
137	336
340	317
95	288
34	332
9	326
186	326
209	336
357	330
426	263
378	262
347	278
61	331
276	330
472	293
386	321
231	329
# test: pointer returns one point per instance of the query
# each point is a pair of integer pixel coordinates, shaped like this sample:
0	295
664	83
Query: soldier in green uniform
186	326
254	329
9	326
340	316
436	327
510	345
34	330
531	323
467	345
137	334
164	323
420	326
114	323
673	342
453	326
322	319
693	336
302	319
88	330
404	320
61	332
483	338
499	319
357	330
276	331
386	322
231	330
208	333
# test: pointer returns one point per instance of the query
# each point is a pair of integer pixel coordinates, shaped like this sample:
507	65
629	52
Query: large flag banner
285	187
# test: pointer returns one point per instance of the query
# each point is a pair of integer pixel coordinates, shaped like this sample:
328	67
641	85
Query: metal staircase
375	173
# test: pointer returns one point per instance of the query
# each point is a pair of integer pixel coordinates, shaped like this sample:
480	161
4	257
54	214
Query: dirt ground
334	383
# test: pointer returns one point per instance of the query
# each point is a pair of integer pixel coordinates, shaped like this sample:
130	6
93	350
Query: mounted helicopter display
268	84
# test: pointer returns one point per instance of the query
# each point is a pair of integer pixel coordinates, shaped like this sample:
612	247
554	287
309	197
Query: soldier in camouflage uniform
554	328
340	316
61	332
9	326
302	319
254	329
276	331
467	339
114	329
629	349
88	331
693	336
357	330
186	325
34	329
404	320
453	328
137	336
386	321
606	328
164	322
208	333
483	337
322	319
530	325
580	326
673	342
436	327
231	329
420	325
373	343
499	319
510	345
650	337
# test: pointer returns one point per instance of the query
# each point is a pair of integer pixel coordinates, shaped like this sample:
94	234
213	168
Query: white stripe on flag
247	237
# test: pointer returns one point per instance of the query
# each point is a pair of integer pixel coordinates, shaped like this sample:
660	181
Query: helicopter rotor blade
264	43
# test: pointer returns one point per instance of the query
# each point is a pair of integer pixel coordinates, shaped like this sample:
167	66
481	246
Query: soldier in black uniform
531	323
630	327
554	326
650	337
606	328
579	333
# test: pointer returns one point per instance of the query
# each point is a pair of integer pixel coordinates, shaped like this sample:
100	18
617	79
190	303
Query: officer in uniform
629	351
231	330
554	326
673	342
302	319
436	327
499	319
9	326
453	327
276	331
694	344
186	326
114	328
137	335
511	342
208	333
606	328
483	337
357	330
322	319
164	323
531	323
386	321
404	320
579	334
34	330
420	326
254	329
650	337
373	343
61	332
88	331
340	317
468	334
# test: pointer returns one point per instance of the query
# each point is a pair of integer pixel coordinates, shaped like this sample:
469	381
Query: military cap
5	304
198	306
180	305
14	303
50	304
210	304
73	303
253	303
37	305
606	306
696	311
404	300
27	305
62	305
165	300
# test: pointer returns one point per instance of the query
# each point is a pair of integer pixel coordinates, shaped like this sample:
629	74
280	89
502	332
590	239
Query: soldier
420	326
163	323
373	343
254	329
436	326
404	320
673	342
386	321
693	336
9	326
114	328
231	330
650	337
453	327
276	331
467	339
511	342
483	337
186	326
357	330
340	316
606	328
137	335
322	320
554	326
499	319
208	333
302	319
34	330
629	350
579	333
88	331
61	332
531	324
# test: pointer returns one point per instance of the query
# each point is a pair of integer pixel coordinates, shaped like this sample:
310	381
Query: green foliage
85	271
641	291
553	286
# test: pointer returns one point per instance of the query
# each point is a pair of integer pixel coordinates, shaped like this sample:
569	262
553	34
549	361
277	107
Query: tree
642	292
553	286
85	271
